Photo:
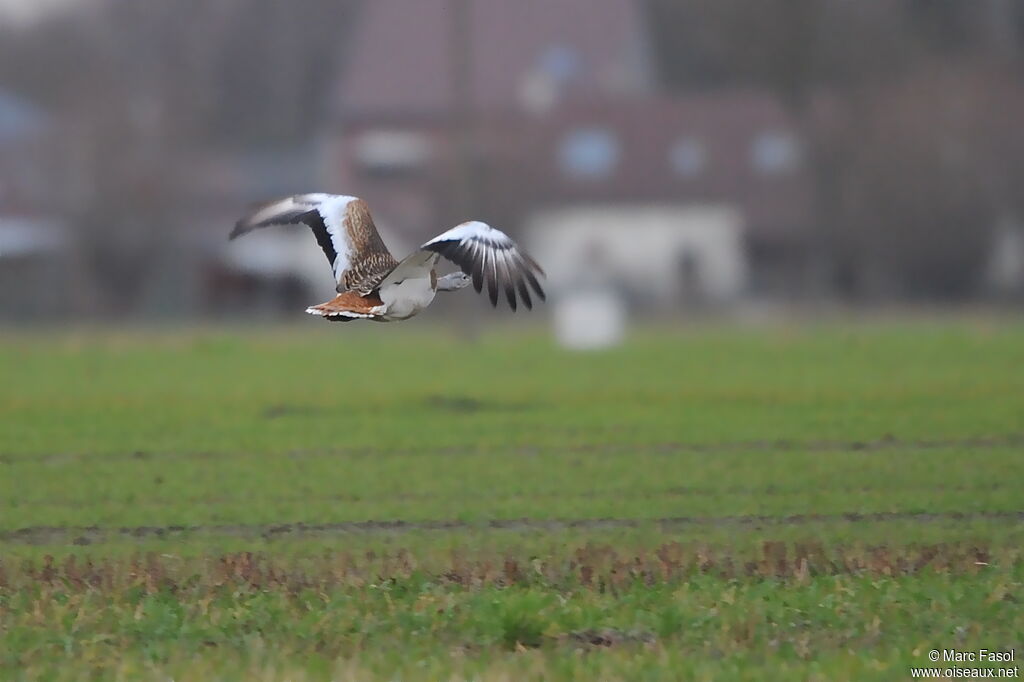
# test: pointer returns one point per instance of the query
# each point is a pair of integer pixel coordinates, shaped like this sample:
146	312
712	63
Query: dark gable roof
399	64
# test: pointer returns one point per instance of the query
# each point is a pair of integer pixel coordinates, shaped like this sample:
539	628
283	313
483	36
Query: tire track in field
87	535
770	490
887	442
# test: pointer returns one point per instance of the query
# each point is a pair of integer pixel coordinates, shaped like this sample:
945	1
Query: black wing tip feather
247	223
492	285
311	217
510	296
515	273
533	264
478	276
240	228
538	289
524	293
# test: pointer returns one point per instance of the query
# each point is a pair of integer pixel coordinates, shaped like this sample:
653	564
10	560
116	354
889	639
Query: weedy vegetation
818	502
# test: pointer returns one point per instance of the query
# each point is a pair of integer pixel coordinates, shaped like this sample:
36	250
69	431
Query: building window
590	153
774	152
392	150
561	63
686	156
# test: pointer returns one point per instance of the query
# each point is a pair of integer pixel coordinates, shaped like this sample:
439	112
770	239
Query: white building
657	256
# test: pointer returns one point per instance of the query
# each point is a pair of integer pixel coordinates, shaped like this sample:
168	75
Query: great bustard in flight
372	285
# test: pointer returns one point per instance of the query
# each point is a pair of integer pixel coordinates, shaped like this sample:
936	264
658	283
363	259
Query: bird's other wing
490	256
414	266
343	228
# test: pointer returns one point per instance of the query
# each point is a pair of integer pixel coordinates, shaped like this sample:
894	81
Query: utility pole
462	122
463	111
1003	34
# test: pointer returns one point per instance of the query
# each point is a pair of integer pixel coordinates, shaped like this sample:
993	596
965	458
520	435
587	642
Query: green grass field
817	502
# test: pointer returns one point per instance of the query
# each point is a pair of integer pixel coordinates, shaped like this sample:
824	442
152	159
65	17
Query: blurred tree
931	163
795	49
909	166
229	70
144	88
789	46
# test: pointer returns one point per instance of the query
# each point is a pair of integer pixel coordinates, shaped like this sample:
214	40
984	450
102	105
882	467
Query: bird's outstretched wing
490	256
344	230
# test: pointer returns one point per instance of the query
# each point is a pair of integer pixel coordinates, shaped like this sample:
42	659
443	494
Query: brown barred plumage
370	259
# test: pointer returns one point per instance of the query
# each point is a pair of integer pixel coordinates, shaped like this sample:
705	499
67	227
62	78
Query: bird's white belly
406	298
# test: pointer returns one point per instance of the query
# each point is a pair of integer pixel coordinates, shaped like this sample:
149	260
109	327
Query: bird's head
453	281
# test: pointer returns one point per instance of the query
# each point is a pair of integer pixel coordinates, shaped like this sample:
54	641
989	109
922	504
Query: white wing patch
474	229
333	212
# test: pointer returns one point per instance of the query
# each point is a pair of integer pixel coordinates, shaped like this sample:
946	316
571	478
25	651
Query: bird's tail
349	305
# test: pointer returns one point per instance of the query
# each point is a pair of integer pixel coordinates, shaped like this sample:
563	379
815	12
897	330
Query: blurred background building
658	156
